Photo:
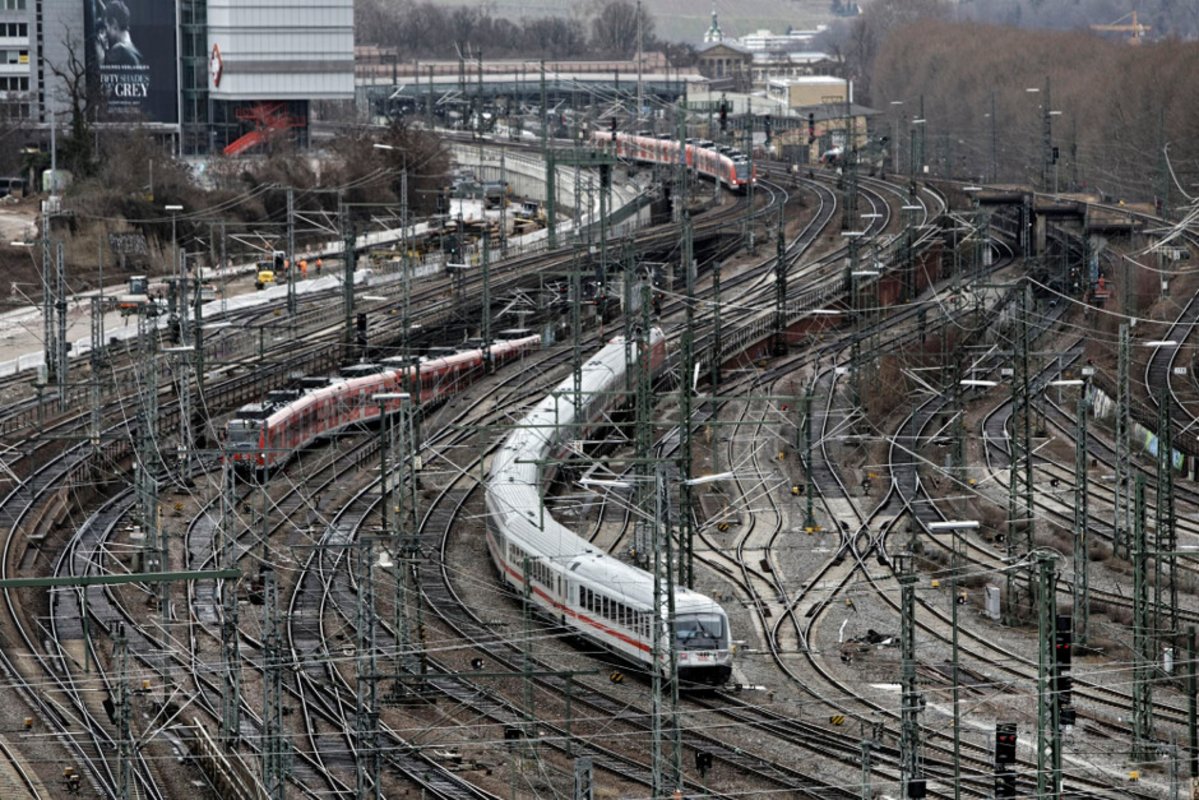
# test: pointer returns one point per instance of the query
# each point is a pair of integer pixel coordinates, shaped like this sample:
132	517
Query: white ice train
574	583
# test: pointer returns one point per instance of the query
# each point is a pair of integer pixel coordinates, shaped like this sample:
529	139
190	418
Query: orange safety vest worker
303	267
319	263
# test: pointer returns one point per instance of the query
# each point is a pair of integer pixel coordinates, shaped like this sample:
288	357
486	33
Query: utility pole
124	713
994	142
182	369
398	507
274	741
958	430
349	245
855	348
576	330
780	289
680	171
1143	656
749	187
1123	527
1192	707
98	356
551	224
910	767
230	633
867	763
503	204
198	363
955	568
1049	735
486	270
1082	569
49	303
717	337
1020	479
1165	558
147	444
923	126
366	705
1163	166
686	499
849	217
60	306
628	259
809	521
667	768
640	100
291	253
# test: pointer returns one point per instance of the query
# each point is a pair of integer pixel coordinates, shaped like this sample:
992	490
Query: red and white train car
260	437
731	168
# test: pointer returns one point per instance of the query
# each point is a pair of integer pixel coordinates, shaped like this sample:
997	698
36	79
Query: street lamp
918	154
180	289
895	104
952	527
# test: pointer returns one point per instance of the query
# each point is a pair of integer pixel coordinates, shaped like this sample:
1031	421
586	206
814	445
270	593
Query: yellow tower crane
1135	28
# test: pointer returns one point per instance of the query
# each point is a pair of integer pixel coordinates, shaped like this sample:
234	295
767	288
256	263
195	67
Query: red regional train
725	164
262	436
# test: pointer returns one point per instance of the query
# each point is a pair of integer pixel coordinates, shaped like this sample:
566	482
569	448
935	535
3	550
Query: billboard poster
131	58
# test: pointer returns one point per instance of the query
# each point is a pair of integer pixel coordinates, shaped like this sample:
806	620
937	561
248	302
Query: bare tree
78	91
614	29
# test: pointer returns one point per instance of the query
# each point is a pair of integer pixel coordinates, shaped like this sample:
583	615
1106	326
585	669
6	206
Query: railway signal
1005	759
1063	682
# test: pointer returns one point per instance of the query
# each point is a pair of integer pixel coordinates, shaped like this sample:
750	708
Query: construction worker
303	268
319	263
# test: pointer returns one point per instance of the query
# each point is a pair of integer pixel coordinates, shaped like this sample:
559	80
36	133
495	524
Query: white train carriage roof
514	488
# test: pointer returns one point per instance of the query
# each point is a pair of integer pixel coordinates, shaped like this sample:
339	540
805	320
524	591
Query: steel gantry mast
780	289
1049	736
147	444
911	769
1020	464
686	382
291	253
366	674
274	740
230	637
1165	558
123	713
1123	527
1143	746
1082	596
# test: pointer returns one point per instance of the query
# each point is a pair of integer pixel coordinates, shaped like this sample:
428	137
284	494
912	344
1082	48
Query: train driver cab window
700	632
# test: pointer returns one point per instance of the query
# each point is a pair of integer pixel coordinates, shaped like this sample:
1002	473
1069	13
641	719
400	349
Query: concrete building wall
283	49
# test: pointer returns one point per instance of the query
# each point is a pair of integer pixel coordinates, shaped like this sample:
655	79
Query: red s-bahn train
725	164
262	436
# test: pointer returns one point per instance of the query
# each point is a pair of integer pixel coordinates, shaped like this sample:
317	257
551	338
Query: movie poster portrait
131	58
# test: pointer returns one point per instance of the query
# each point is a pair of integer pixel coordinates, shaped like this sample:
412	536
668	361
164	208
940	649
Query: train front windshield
741	168
700	632
244	433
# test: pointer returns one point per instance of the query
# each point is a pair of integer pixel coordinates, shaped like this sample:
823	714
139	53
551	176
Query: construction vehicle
1120	26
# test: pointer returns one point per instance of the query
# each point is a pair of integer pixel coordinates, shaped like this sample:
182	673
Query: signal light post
1005	760
1049	680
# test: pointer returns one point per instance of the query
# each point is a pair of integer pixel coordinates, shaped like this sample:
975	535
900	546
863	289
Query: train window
699	631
